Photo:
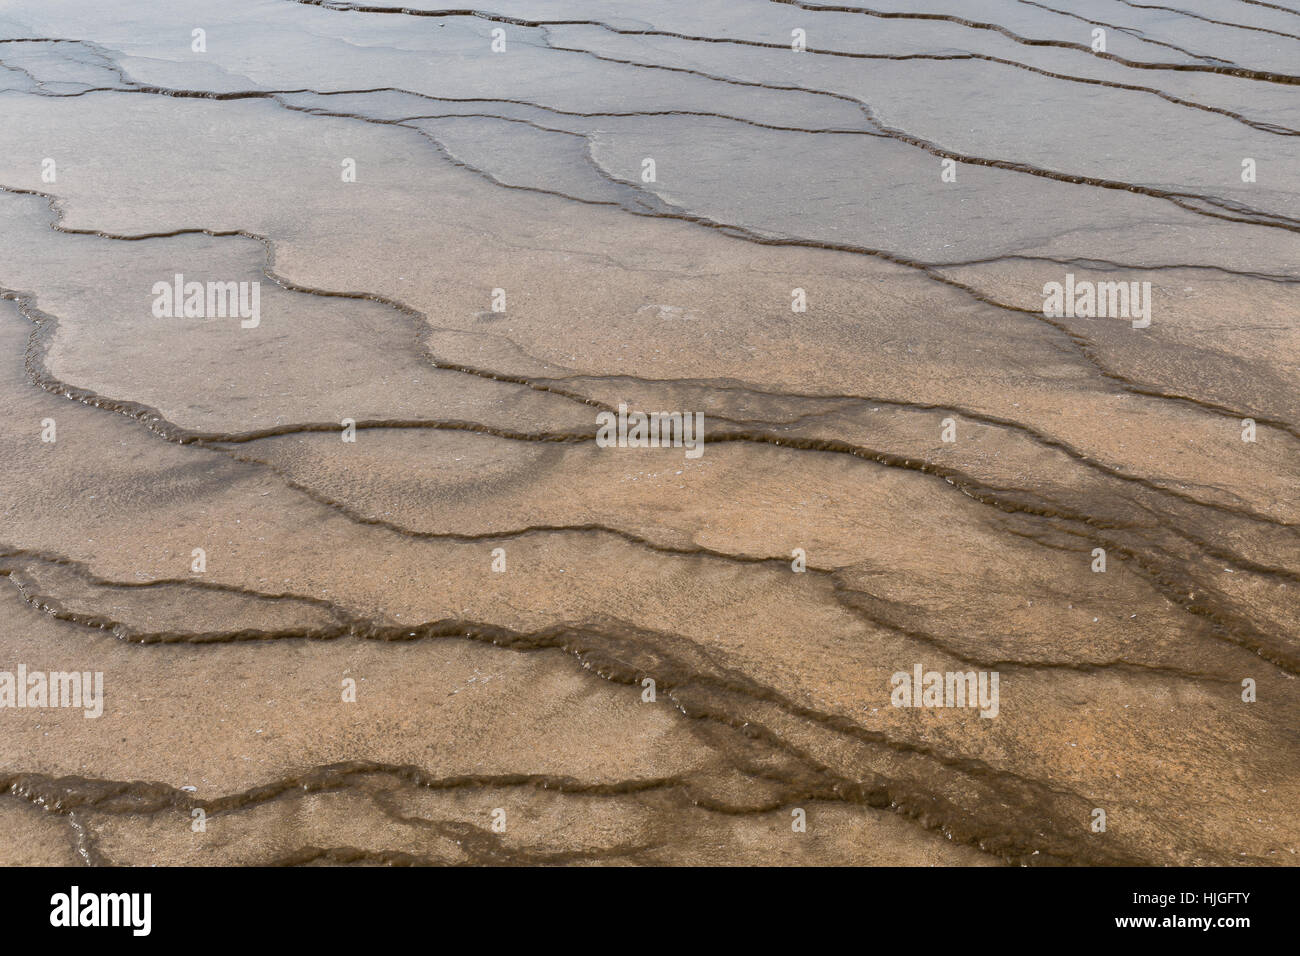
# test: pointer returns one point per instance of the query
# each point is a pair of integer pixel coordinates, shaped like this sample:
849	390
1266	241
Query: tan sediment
524	690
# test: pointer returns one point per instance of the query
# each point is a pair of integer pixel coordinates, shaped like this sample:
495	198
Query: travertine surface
364	586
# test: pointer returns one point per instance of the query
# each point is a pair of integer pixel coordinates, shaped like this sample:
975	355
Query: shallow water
639	655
